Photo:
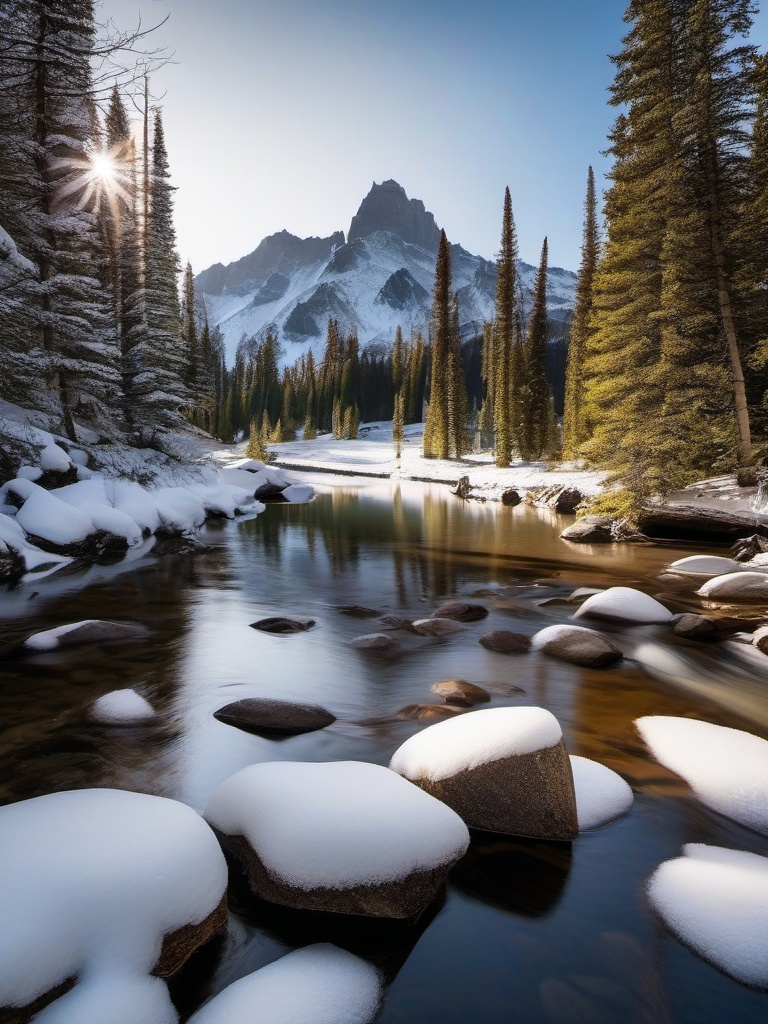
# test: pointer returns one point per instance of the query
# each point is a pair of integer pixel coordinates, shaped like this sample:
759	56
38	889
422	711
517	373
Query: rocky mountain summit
376	277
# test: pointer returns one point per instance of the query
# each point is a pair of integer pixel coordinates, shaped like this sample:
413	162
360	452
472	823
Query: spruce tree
255	449
507	369
397	425
574	426
535	431
487	372
438	426
458	404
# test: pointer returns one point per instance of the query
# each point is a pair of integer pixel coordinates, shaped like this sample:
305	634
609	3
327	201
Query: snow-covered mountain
380	275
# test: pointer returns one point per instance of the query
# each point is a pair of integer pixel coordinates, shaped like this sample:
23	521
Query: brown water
526	931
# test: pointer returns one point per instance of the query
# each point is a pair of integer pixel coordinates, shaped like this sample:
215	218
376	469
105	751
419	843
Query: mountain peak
388	208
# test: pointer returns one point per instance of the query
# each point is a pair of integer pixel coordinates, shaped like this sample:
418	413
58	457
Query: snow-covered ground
373	454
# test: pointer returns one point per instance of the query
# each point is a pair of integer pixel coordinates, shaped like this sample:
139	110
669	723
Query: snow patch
320	984
479	737
122	707
54	459
716	902
726	768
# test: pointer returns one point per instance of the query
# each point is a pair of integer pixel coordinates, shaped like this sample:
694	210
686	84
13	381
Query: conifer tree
487	372
255	449
575	429
397	425
506	342
438	414
535	431
337	423
398	361
458	404
414	396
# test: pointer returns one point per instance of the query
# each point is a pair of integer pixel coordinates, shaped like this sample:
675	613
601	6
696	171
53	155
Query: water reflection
530	931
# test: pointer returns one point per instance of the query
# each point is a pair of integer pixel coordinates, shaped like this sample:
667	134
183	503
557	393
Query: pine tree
574	426
487	372
398	361
458	404
506	359
535	432
414	396
438	415
310	422
397	425
337	423
256	449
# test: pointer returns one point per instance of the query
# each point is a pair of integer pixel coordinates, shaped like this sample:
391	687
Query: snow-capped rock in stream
624	604
743	587
122	707
601	794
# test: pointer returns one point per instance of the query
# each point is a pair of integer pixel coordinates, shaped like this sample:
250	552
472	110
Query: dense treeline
91	324
667	366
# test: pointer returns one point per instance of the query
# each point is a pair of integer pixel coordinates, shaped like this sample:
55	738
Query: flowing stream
526	931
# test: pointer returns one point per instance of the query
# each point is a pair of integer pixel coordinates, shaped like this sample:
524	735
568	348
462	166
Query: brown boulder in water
504	641
461	611
459	691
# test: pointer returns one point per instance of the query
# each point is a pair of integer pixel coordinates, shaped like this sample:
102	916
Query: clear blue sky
280	114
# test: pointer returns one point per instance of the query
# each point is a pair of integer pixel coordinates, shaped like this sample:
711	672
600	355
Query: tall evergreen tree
574	427
507	356
535	433
437	436
458	404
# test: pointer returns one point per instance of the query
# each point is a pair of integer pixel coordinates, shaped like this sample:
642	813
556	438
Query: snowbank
458	744
320	984
336	825
601	794
727	769
716	902
92	881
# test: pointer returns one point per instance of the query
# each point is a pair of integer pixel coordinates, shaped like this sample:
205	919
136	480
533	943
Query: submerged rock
504	641
459	691
397	622
577	645
427	712
695	627
358	611
503	770
376	643
282	625
341	837
274	718
461	611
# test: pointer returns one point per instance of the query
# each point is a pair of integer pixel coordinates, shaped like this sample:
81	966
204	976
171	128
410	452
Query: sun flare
103	167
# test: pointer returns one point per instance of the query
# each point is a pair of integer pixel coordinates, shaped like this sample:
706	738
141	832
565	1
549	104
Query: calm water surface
526	931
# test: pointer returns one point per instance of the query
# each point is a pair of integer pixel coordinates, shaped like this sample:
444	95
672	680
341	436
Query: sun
101	176
103	167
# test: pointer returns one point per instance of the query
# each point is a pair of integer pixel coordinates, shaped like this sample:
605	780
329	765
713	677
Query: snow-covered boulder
437	627
716	902
180	510
18	556
32	473
577	645
345	837
122	707
135	501
461	611
90	496
502	769
274	718
504	641
318	984
298	494
55	525
103	886
726	768
54	459
601	794
704	565
226	500
459	691
89	631
250	465
248	481
743	587
624	604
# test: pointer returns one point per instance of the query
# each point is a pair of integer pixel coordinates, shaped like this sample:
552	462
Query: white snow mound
601	794
92	881
551	633
726	768
479	737
298	493
122	707
45	516
320	984
625	604
338	824
53	458
90	496
716	902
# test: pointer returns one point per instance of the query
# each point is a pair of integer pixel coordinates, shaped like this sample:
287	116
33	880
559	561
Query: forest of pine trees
91	323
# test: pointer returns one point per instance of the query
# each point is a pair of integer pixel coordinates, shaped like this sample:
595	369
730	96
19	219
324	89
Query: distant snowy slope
380	278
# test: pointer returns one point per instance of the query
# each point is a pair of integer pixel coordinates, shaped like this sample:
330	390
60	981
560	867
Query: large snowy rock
135	501
90	496
274	718
180	509
601	794
100	889
742	587
53	524
318	984
18	556
716	902
624	604
54	459
298	494
726	768
89	631
502	769
577	645
345	837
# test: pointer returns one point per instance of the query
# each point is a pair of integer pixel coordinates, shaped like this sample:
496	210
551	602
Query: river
526	931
